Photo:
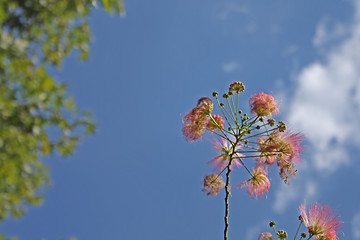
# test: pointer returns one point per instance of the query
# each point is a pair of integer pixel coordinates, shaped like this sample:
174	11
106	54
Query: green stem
275	233
298	230
231	110
237	106
242	162
221	108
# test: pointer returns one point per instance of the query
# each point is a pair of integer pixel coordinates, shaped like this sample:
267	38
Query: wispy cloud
229	8
326	102
286	194
253	233
355	224
325	34
231	66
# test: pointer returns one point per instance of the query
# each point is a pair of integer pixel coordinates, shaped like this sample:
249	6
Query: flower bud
215	93
271	122
272	224
281	126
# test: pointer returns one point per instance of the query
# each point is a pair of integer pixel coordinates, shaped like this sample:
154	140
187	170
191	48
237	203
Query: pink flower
289	152
283	146
197	119
213	184
221	161
321	222
216	122
258	184
263	105
237	87
265	236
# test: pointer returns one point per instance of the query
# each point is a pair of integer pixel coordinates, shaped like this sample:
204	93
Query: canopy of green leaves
37	115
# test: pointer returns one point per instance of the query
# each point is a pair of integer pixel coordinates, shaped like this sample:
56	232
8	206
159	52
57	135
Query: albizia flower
216	122
289	152
196	120
237	87
222	160
213	184
283	146
258	184
265	236
263	105
322	222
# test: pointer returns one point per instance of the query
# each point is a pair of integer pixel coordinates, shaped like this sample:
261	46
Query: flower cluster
321	223
285	147
237	144
263	105
258	184
197	119
213	184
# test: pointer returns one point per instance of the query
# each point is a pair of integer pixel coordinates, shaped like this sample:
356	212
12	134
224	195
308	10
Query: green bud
229	128
258	127
261	119
230	93
226	95
240	112
221	104
282	234
246	142
271	122
281	126
303	235
272	224
249	131
215	93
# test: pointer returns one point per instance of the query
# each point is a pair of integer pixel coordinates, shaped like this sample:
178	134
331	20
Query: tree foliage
37	115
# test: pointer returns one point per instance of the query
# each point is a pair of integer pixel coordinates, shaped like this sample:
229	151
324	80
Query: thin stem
275	233
221	129
298	230
244	165
257	156
227	191
237	106
221	108
256	135
231	110
223	136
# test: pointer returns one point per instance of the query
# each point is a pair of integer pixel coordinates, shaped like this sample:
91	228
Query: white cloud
253	233
231	66
283	198
229	8
355	224
286	194
326	108
325	35
326	102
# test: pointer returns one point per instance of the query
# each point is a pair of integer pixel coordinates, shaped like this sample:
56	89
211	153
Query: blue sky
138	178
